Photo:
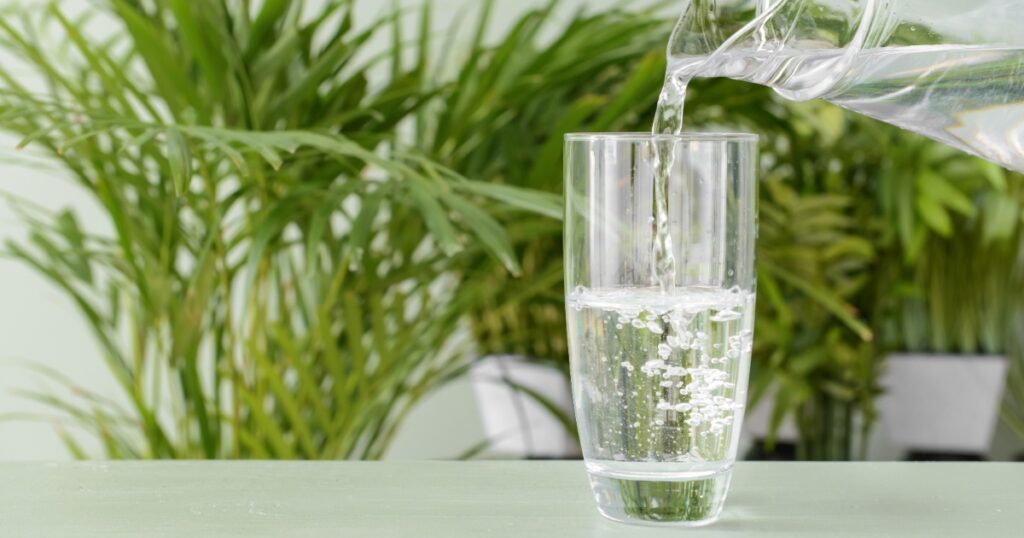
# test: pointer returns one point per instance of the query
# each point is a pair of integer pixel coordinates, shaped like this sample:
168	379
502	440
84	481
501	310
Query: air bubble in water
726	315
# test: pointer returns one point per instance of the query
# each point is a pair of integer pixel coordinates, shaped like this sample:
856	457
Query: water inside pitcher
952	70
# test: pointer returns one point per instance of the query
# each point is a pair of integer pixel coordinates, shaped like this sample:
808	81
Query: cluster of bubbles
698	387
659	369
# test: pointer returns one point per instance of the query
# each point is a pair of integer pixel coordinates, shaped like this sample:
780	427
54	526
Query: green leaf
999	217
137	142
934	215
99	62
326	64
479	448
918	239
76	450
154	46
425	197
266	427
638	88
552	408
179	158
548	164
942	191
488	230
221	145
541	203
270	15
77	256
288	403
200	41
838	390
808	361
849	246
38	134
995	175
825	297
362	227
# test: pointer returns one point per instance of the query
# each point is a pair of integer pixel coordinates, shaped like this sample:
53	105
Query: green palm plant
518	98
295	242
602	72
886	215
963	288
510	106
276	283
966	231
846	210
827	249
817	252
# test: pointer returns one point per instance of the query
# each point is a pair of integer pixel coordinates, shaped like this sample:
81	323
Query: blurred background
285	229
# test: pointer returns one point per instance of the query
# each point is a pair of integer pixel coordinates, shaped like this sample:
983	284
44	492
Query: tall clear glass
660	288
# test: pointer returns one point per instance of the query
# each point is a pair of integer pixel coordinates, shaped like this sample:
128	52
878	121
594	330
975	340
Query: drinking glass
660	288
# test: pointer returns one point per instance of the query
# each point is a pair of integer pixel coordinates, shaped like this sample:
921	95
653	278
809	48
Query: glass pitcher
952	70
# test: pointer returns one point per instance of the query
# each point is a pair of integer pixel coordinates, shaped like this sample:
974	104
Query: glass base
688	503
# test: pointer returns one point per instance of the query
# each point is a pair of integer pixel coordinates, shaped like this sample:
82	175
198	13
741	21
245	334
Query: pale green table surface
528	499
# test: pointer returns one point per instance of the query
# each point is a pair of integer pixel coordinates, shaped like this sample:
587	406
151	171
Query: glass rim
694	136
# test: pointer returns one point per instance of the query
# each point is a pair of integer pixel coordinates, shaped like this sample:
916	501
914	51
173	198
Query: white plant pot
942	403
515	423
758	421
